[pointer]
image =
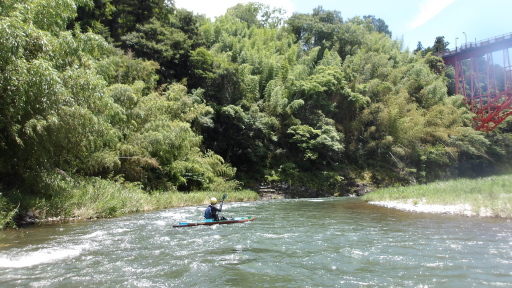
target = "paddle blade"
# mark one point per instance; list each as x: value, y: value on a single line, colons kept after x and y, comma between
x: 224, y: 196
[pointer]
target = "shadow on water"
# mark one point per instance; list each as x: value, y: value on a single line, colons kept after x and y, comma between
x: 330, y: 242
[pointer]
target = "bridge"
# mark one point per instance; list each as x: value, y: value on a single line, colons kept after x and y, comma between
x: 483, y: 75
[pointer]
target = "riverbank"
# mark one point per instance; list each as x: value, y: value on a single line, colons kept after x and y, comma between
x: 79, y: 199
x: 156, y: 202
x: 186, y: 199
x: 82, y: 200
x: 482, y: 197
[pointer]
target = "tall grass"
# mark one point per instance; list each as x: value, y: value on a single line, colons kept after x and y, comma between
x: 97, y: 198
x: 7, y: 212
x: 492, y: 195
x: 89, y: 198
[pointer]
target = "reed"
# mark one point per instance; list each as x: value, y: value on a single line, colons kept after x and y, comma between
x: 491, y: 196
x: 90, y: 198
x: 97, y: 198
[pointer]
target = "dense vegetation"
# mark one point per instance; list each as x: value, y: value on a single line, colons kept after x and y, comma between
x: 142, y: 94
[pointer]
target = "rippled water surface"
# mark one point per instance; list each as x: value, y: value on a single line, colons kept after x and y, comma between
x: 332, y: 242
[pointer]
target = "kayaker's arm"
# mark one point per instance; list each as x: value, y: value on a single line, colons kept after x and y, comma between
x: 214, y: 208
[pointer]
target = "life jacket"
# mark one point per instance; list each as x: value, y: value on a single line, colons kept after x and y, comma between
x: 208, y: 212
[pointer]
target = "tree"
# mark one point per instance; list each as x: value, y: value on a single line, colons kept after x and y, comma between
x: 317, y: 29
x: 54, y: 112
x: 440, y: 45
x: 419, y: 47
x: 312, y: 102
x: 378, y: 24
x: 70, y: 102
x: 163, y: 44
x: 115, y: 18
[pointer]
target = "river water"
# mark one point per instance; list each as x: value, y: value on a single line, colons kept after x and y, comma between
x: 330, y: 242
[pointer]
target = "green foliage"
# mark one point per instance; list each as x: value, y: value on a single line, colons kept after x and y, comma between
x: 124, y: 69
x: 114, y: 18
x: 72, y: 102
x: 316, y: 29
x: 52, y: 101
x: 313, y: 143
x: 313, y: 100
x: 378, y: 24
x: 165, y: 43
x: 440, y: 45
x: 92, y: 197
x: 380, y: 107
x: 255, y: 14
x: 49, y: 15
x: 162, y: 129
x: 7, y: 213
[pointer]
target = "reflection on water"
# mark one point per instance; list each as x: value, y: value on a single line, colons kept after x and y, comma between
x: 332, y: 242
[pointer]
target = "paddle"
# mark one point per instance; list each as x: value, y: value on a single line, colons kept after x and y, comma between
x: 223, y: 198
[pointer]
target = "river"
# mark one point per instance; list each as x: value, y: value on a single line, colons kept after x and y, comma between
x: 327, y: 242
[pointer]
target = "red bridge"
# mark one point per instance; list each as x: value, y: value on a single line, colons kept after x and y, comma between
x: 483, y: 75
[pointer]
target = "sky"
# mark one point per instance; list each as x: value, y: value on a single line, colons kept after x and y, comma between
x: 459, y: 21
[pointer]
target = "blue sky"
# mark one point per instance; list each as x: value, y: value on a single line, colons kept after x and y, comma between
x: 409, y: 20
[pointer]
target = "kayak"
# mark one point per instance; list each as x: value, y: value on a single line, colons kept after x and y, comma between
x: 213, y: 222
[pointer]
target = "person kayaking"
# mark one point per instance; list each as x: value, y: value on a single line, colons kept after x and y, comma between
x: 212, y: 212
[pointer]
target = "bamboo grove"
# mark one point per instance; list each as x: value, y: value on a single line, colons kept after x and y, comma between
x: 143, y: 92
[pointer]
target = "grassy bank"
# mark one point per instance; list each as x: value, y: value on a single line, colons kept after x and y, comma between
x: 490, y: 196
x: 97, y: 198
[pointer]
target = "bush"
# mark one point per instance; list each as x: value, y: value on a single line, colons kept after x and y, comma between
x: 7, y: 213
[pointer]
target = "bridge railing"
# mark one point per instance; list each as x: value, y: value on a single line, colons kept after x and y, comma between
x: 470, y: 45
